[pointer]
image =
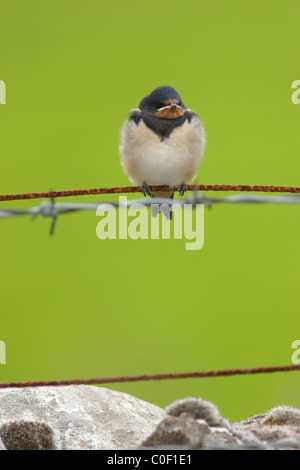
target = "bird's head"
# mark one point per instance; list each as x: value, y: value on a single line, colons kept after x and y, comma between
x: 163, y: 102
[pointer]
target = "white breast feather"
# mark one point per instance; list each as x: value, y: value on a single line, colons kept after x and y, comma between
x: 172, y: 161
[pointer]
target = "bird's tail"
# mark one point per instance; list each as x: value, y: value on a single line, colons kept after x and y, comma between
x: 164, y: 208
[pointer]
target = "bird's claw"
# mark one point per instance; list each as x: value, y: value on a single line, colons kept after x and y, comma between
x: 145, y: 189
x: 182, y: 188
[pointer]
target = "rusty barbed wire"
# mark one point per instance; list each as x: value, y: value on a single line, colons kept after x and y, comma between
x: 148, y: 377
x: 138, y: 189
x: 53, y: 209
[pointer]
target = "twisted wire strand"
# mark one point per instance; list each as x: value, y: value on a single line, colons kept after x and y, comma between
x: 148, y: 377
x: 138, y: 189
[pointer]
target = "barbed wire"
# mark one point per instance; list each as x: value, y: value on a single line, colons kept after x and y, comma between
x: 148, y: 377
x: 138, y: 189
x: 53, y: 209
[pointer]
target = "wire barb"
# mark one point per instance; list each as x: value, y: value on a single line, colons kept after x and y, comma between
x: 53, y: 209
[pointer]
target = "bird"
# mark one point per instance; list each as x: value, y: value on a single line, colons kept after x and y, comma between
x: 162, y: 143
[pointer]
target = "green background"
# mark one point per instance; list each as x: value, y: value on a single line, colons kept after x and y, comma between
x: 73, y: 306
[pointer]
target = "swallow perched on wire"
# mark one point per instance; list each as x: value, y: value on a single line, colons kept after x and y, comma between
x: 162, y: 143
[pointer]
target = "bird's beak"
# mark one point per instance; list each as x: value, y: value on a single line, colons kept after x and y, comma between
x: 172, y: 111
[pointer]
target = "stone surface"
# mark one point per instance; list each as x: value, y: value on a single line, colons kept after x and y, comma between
x: 193, y: 423
x: 74, y: 417
x: 27, y: 435
x: 87, y: 417
x: 198, y: 409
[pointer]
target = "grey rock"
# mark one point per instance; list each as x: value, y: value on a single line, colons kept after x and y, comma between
x: 283, y: 415
x: 26, y: 435
x: 88, y: 417
x: 183, y: 430
x: 2, y: 446
x: 193, y: 423
x: 198, y: 409
x: 74, y: 417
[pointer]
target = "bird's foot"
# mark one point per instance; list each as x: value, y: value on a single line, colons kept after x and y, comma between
x: 145, y: 188
x: 182, y: 188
